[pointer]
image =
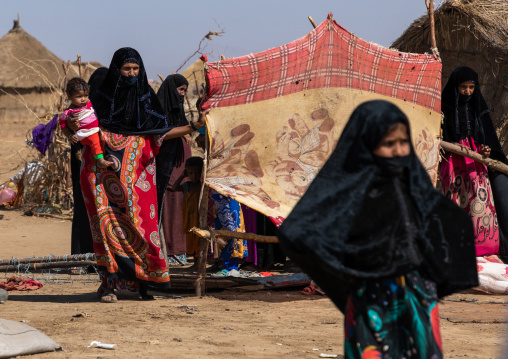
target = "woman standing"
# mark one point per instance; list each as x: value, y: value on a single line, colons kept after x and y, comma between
x: 122, y: 200
x: 467, y: 122
x: 376, y: 236
x: 171, y: 96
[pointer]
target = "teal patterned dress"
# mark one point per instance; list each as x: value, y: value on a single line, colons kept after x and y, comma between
x: 393, y: 318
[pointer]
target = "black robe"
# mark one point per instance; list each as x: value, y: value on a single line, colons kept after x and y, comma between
x: 360, y: 220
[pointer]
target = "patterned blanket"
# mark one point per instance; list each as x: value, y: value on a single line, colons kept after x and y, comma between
x: 277, y: 115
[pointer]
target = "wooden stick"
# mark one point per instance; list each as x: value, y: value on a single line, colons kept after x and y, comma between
x: 230, y: 234
x: 79, y: 65
x: 203, y: 242
x: 190, y: 106
x: 489, y: 162
x: 49, y: 215
x: 38, y: 266
x: 160, y: 76
x: 312, y: 22
x: 62, y: 258
x: 433, y: 45
x: 197, y: 85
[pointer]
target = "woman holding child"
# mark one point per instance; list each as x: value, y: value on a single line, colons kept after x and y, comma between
x: 123, y: 200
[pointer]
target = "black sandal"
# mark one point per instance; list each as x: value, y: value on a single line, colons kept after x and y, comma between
x: 143, y: 292
x: 100, y: 292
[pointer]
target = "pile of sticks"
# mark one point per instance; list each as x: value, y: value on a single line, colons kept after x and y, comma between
x: 48, y: 262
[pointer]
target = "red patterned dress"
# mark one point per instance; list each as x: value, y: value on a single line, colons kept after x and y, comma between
x: 466, y: 182
x: 122, y: 208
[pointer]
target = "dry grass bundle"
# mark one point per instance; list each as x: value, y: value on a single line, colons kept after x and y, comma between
x: 50, y: 183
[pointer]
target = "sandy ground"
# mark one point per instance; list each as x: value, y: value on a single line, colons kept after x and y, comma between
x: 223, y: 324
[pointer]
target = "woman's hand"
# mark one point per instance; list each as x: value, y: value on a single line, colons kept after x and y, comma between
x: 73, y: 122
x: 484, y: 150
x: 201, y: 122
x: 464, y: 147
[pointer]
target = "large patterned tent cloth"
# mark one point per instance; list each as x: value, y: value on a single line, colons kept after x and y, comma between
x: 277, y: 115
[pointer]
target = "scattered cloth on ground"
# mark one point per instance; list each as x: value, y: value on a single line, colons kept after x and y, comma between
x: 33, y: 172
x: 267, y: 274
x: 21, y: 339
x: 492, y: 275
x: 20, y: 283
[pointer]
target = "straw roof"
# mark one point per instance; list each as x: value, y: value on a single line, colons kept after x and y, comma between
x: 470, y: 33
x: 486, y: 19
x: 26, y: 63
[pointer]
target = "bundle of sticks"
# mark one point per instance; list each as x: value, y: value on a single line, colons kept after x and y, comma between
x: 48, y: 262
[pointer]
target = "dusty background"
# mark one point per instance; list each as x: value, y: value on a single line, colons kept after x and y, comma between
x: 225, y: 324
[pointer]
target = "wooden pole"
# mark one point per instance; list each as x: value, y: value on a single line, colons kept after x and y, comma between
x: 489, y: 162
x: 196, y: 83
x: 40, y: 266
x: 432, y: 24
x: 312, y: 22
x: 79, y: 65
x: 203, y: 242
x: 62, y: 258
x: 190, y: 107
x: 230, y: 234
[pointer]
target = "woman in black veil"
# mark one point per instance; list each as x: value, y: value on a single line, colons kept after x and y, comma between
x: 380, y: 240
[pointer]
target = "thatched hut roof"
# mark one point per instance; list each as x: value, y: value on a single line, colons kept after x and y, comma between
x: 470, y: 33
x: 26, y: 63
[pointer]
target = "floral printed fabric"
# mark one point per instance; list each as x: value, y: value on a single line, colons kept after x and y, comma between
x: 393, y: 318
x: 121, y: 202
x: 229, y: 217
x: 467, y: 183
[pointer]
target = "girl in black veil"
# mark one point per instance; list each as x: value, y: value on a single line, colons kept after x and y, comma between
x: 171, y: 96
x: 376, y: 236
x: 468, y: 183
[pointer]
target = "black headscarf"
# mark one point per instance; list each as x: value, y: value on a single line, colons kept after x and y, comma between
x: 129, y: 108
x: 172, y: 101
x: 362, y: 217
x: 96, y: 81
x: 468, y: 115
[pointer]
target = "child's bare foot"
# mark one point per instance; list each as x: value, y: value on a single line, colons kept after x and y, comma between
x: 102, y: 163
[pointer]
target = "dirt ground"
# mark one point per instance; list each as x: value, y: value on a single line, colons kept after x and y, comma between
x: 223, y: 324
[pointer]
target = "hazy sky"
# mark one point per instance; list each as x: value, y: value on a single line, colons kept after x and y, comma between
x: 166, y: 32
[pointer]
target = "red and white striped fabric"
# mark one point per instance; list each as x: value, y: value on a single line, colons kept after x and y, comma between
x: 277, y: 115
